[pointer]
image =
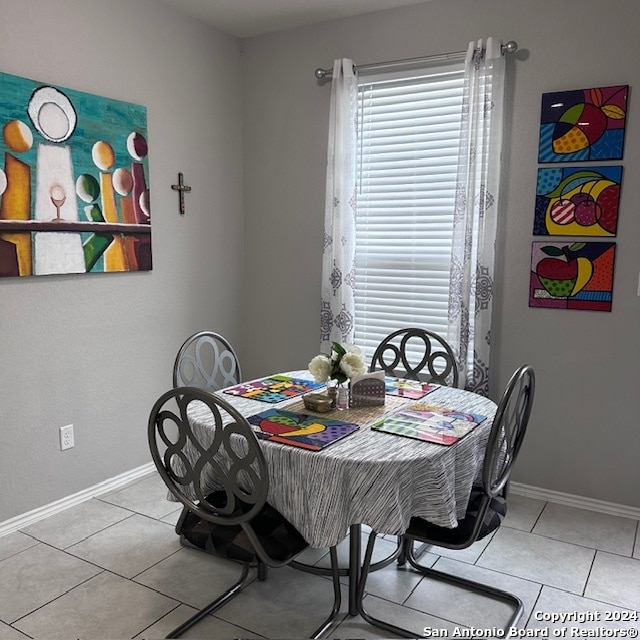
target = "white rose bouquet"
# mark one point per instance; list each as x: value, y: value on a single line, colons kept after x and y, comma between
x: 342, y: 363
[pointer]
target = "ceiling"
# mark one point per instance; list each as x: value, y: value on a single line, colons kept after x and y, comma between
x: 246, y: 18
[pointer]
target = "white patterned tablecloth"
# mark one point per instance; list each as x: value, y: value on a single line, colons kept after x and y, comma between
x: 369, y: 477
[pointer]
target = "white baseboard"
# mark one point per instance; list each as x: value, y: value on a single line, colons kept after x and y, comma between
x: 610, y: 508
x: 21, y: 521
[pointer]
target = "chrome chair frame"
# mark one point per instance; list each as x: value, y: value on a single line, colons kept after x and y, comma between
x: 236, y: 516
x: 489, y: 505
x: 213, y: 371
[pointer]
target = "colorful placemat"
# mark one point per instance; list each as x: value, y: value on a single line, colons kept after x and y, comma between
x: 412, y: 389
x: 430, y: 423
x: 304, y: 430
x: 274, y: 388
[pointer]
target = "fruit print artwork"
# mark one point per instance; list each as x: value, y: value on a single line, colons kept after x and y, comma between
x: 572, y: 201
x: 585, y: 124
x: 576, y: 275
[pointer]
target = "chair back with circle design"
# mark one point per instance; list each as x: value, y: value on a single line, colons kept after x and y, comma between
x: 416, y: 354
x: 219, y: 474
x: 208, y: 361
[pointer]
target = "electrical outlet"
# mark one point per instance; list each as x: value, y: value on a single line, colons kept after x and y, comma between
x: 66, y: 437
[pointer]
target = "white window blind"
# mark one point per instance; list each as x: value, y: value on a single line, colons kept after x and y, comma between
x: 409, y: 132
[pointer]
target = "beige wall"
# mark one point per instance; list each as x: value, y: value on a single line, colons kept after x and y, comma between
x: 97, y: 350
x: 584, y: 435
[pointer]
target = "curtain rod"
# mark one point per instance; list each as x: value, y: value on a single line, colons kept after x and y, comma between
x: 321, y: 74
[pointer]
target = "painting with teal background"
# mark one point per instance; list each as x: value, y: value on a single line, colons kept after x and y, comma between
x: 74, y: 186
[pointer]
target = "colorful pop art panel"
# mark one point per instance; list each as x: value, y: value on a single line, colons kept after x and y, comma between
x: 74, y: 194
x: 585, y: 124
x: 576, y: 275
x: 573, y: 201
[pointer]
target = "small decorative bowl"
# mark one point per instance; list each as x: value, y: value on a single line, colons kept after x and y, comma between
x: 317, y: 402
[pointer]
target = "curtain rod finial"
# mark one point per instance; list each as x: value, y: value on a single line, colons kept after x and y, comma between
x: 510, y: 47
x: 320, y: 73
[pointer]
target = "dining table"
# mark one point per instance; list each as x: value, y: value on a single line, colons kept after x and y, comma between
x: 369, y: 477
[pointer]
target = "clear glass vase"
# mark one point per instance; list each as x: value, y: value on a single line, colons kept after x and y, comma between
x: 332, y: 392
x: 342, y: 400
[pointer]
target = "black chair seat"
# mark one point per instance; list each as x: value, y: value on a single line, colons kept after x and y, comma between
x: 279, y: 538
x: 420, y: 529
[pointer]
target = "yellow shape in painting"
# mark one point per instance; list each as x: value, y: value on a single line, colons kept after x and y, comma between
x: 17, y: 136
x: 585, y: 271
x: 305, y: 431
x: 109, y: 209
x: 103, y: 155
x: 16, y: 205
x: 573, y: 140
x: 612, y: 111
x: 115, y: 258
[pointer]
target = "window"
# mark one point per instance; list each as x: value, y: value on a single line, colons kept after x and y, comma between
x: 406, y: 170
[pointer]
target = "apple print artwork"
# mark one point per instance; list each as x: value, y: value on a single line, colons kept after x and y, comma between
x: 577, y: 275
x: 566, y: 276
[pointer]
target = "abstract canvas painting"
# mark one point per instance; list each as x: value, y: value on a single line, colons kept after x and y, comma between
x: 573, y: 275
x: 74, y: 185
x: 574, y: 201
x: 585, y: 124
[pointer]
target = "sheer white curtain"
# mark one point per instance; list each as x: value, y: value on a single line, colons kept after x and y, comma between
x: 338, y: 260
x: 476, y: 213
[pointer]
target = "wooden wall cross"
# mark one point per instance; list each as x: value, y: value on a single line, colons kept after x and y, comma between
x: 181, y: 187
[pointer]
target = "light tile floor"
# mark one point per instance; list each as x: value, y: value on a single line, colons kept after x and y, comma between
x: 113, y: 568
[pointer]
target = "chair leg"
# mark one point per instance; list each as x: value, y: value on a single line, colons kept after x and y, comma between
x: 376, y: 622
x: 229, y: 594
x: 398, y: 555
x: 407, y: 549
x: 337, y: 595
x: 472, y: 585
x: 183, y: 514
x: 263, y: 571
x: 402, y: 554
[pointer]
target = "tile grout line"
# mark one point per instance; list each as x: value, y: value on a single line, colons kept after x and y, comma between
x: 539, y: 516
x: 533, y: 607
x: 586, y: 582
x: 61, y: 595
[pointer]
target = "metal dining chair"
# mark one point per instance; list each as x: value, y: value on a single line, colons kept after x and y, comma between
x: 234, y: 521
x: 487, y: 504
x: 208, y: 361
x: 416, y: 354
